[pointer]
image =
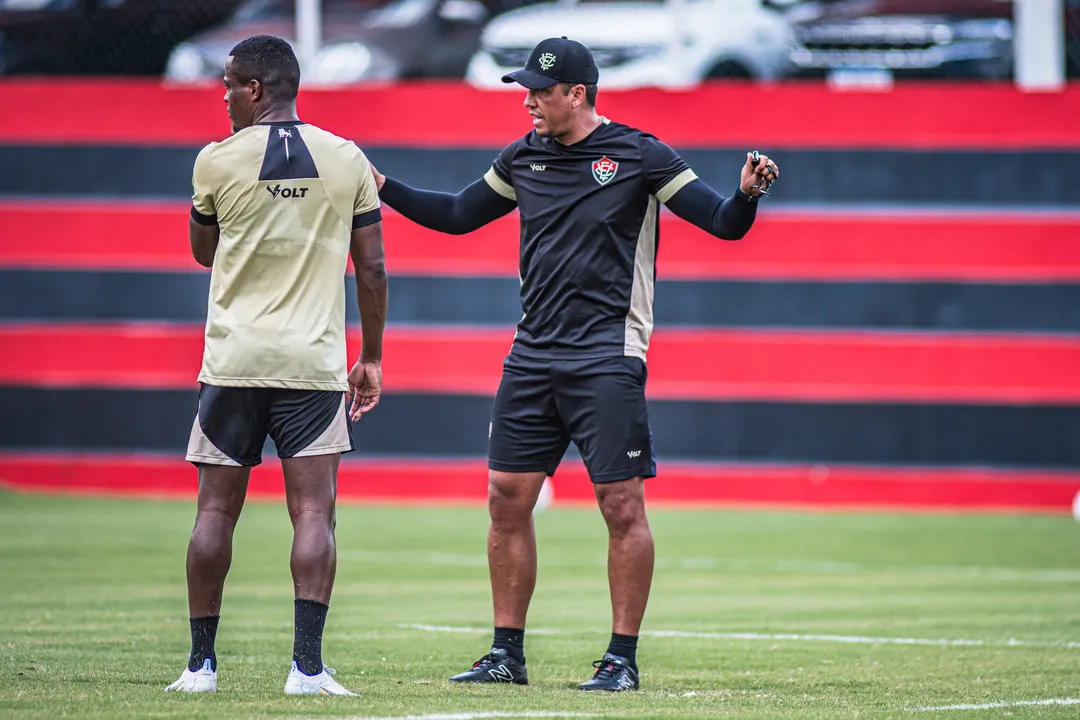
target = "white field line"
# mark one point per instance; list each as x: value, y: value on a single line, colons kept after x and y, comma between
x: 479, y: 716
x: 797, y: 637
x: 469, y: 630
x: 860, y: 639
x: 993, y: 705
x: 823, y: 567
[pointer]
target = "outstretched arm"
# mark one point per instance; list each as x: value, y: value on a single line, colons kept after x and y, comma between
x: 468, y: 210
x: 678, y: 187
x: 478, y: 204
x: 726, y: 218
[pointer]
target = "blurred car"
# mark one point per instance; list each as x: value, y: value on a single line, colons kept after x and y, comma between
x: 663, y: 43
x: 99, y: 37
x: 362, y: 40
x: 905, y: 38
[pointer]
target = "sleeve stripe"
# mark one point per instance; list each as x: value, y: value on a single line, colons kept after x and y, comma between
x: 676, y: 184
x: 366, y: 218
x: 499, y: 185
x: 203, y: 219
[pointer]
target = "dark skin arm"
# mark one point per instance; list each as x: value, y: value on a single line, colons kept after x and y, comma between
x: 369, y: 260
x: 204, y: 242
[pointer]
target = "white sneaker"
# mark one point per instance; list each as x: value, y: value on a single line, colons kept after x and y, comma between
x: 203, y: 680
x: 322, y: 684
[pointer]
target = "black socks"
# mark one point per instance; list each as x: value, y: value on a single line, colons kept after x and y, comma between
x: 512, y: 640
x: 203, y: 633
x: 307, y: 638
x: 310, y: 619
x: 624, y: 646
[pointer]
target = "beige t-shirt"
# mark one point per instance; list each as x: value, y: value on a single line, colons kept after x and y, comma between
x: 286, y: 196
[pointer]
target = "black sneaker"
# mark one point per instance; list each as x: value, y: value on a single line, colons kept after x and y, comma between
x: 495, y: 667
x: 613, y: 674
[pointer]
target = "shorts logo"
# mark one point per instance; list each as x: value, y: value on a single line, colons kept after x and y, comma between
x: 287, y: 192
x: 603, y: 170
x: 633, y: 453
x: 547, y: 61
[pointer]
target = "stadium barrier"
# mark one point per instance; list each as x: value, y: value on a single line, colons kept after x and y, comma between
x: 901, y: 328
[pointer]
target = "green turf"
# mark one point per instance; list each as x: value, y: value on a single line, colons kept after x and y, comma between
x: 93, y: 613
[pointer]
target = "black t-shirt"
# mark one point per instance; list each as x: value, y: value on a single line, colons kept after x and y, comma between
x: 589, y: 235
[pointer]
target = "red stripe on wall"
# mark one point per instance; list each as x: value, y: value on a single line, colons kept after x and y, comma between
x: 946, y: 115
x: 682, y: 364
x: 781, y: 245
x: 425, y: 481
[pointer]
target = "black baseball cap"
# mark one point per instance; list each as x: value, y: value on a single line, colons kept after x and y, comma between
x: 556, y: 60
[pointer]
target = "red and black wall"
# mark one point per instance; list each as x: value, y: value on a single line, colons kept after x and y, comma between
x: 901, y: 327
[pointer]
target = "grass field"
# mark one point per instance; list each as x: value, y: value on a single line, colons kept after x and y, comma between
x: 755, y: 614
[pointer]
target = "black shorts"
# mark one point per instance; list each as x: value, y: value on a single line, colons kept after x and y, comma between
x: 599, y: 405
x: 232, y: 423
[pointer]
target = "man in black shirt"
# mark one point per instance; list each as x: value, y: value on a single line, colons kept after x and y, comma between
x: 588, y: 192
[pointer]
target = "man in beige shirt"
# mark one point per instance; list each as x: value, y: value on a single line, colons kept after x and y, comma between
x: 278, y: 208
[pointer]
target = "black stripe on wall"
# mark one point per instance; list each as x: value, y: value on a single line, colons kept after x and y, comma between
x: 983, y: 177
x: 449, y: 425
x: 61, y: 295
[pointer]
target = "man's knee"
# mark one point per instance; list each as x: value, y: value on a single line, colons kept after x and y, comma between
x: 219, y: 511
x: 220, y: 516
x: 622, y: 505
x: 314, y: 514
x: 511, y: 496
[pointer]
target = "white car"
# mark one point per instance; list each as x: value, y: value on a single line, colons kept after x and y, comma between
x: 661, y: 43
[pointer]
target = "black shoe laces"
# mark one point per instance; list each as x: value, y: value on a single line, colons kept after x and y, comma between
x: 606, y: 670
x: 489, y: 660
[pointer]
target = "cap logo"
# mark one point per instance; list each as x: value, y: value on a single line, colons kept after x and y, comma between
x: 547, y: 61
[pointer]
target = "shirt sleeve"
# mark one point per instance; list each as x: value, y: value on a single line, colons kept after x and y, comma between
x: 366, y: 210
x: 498, y: 175
x: 665, y: 171
x: 203, y: 207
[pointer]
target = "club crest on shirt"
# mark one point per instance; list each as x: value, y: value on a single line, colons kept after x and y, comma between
x: 603, y: 170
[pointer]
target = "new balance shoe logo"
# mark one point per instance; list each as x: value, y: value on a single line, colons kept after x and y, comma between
x: 501, y: 674
x: 633, y: 453
x: 278, y: 191
x: 538, y: 168
x: 626, y: 682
